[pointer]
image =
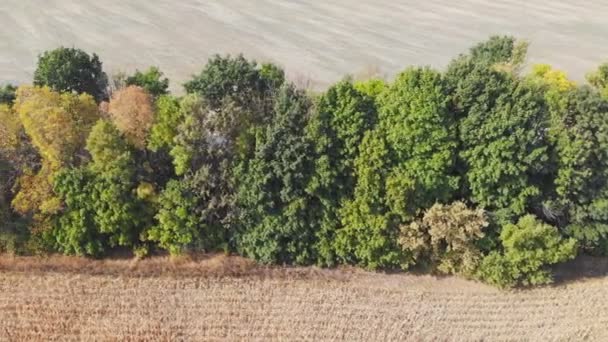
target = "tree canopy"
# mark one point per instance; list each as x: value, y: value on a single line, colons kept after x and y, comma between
x: 72, y: 70
x: 486, y: 169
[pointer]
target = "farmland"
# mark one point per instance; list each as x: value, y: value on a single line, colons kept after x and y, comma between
x: 222, y: 298
x: 317, y: 40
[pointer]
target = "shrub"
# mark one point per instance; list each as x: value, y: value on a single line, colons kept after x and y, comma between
x: 7, y: 94
x: 529, y: 247
x: 447, y: 238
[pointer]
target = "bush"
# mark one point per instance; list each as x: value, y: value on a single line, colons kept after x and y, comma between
x: 7, y: 94
x: 529, y: 247
x: 447, y: 238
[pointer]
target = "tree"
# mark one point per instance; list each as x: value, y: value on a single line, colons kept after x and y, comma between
x: 276, y: 214
x: 530, y: 246
x: 581, y: 182
x: 405, y: 165
x: 599, y: 79
x: 17, y: 157
x: 555, y: 82
x: 71, y: 70
x: 341, y: 118
x: 203, y: 150
x: 132, y: 112
x: 241, y: 81
x: 7, y: 94
x: 503, y: 128
x: 178, y: 226
x: 373, y: 87
x: 101, y: 208
x: 447, y: 238
x: 168, y: 116
x: 57, y: 125
x: 151, y: 80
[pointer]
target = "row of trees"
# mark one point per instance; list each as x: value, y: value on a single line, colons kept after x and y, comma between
x: 482, y: 170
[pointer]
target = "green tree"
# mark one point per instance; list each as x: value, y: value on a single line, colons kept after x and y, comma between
x: 581, y: 183
x: 530, y: 246
x: 405, y: 165
x: 342, y: 116
x: 168, y: 116
x: 101, y: 208
x: 276, y: 214
x: 373, y: 87
x: 151, y: 80
x: 203, y: 150
x: 7, y: 94
x: 243, y: 82
x: 503, y: 128
x: 72, y: 70
x: 178, y: 226
x: 599, y: 79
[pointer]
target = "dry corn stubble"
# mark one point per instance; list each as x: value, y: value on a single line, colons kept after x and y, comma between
x: 230, y: 298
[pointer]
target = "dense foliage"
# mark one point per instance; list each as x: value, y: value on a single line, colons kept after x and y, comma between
x: 72, y: 70
x: 152, y: 80
x: 483, y: 170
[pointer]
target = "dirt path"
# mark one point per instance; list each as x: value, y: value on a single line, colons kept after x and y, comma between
x: 231, y: 299
x: 320, y: 40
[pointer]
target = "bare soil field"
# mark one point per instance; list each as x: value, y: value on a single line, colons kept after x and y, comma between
x: 312, y: 39
x: 229, y: 298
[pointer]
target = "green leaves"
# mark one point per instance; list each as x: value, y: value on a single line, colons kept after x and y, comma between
x: 529, y: 247
x: 358, y: 174
x: 341, y: 118
x: 405, y: 164
x: 504, y: 147
x: 151, y: 80
x: 101, y: 206
x: 581, y: 184
x: 71, y: 70
x: 276, y: 215
x: 178, y: 226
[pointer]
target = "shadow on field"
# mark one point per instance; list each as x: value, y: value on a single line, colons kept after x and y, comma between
x: 583, y: 267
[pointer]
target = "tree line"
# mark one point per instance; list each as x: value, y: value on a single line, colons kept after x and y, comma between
x: 485, y: 170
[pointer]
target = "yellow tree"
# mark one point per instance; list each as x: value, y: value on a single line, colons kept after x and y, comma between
x: 132, y: 111
x: 57, y: 125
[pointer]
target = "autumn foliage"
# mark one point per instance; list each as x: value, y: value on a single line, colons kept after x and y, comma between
x: 482, y: 170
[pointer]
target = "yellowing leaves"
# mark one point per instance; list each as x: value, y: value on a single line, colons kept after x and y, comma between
x: 56, y: 123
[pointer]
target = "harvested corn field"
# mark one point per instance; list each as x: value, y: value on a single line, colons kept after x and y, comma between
x: 317, y: 40
x: 222, y: 298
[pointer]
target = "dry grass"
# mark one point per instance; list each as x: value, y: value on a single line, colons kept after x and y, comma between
x: 228, y: 298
